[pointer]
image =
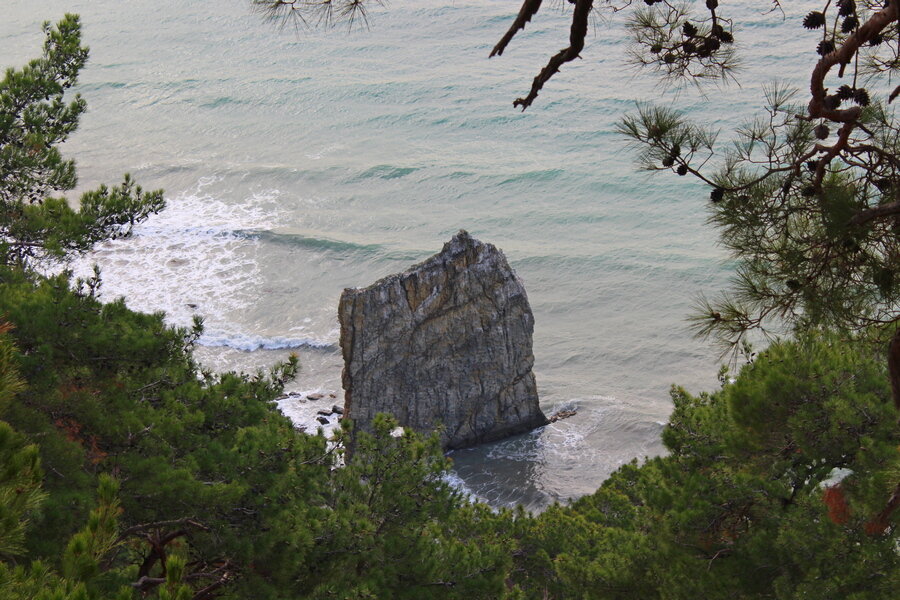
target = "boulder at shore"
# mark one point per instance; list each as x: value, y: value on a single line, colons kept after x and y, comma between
x: 445, y: 343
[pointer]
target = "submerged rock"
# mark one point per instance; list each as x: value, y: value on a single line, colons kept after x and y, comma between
x: 445, y: 344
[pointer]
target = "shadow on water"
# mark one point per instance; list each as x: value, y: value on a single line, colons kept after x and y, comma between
x: 507, y: 479
x: 560, y: 461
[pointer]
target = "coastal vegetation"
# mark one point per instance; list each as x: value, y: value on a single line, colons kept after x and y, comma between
x: 129, y: 471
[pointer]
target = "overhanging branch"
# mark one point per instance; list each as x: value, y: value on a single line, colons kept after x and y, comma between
x: 528, y: 10
x: 870, y: 214
x: 843, y: 55
x: 577, y: 34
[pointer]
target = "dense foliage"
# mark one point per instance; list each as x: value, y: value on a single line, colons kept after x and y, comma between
x: 206, y: 472
x: 127, y: 471
x: 773, y: 489
x: 206, y: 469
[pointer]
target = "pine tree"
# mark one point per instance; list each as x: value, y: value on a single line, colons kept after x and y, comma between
x: 34, y: 120
x: 773, y: 488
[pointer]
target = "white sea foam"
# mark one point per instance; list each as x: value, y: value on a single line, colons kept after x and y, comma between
x: 459, y: 484
x: 559, y: 441
x: 196, y: 257
x: 250, y: 343
x: 304, y: 413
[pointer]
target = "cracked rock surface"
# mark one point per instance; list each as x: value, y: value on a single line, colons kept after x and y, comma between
x: 445, y: 344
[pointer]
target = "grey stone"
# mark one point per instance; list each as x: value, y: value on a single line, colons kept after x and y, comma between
x: 563, y: 414
x: 445, y: 344
x: 337, y: 409
x: 322, y: 420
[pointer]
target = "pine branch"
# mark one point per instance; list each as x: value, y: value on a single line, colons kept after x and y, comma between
x: 577, y: 34
x: 870, y: 214
x: 189, y: 521
x: 843, y: 55
x: 528, y: 10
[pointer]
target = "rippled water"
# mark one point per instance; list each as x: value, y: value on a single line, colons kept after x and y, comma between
x: 296, y: 164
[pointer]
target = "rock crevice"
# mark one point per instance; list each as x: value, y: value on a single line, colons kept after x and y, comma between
x: 444, y: 345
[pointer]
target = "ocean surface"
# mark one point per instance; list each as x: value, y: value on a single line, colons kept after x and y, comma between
x: 297, y: 163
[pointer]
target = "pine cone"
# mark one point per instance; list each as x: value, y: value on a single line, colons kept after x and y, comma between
x: 846, y: 7
x: 825, y: 47
x: 814, y: 20
x: 845, y: 92
x: 849, y: 24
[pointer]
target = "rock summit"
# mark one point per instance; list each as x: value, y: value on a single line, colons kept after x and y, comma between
x: 445, y: 345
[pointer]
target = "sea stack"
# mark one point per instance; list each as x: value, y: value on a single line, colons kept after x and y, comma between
x: 444, y: 345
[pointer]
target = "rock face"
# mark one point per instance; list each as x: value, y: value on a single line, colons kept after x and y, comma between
x: 448, y: 342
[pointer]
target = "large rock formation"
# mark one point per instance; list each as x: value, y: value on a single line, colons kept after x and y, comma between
x: 446, y: 343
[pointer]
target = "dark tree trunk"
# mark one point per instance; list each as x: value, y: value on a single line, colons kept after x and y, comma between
x: 894, y: 367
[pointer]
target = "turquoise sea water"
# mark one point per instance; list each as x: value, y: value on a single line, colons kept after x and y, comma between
x: 296, y: 164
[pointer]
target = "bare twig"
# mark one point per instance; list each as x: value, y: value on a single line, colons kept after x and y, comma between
x: 528, y: 10
x: 577, y: 34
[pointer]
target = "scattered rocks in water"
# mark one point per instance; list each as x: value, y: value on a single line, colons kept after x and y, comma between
x: 191, y: 305
x: 322, y: 420
x: 325, y: 412
x: 337, y: 409
x: 563, y: 414
x: 315, y: 397
x: 447, y: 342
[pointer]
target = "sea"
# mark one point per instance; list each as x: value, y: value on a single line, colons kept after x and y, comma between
x: 299, y: 161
